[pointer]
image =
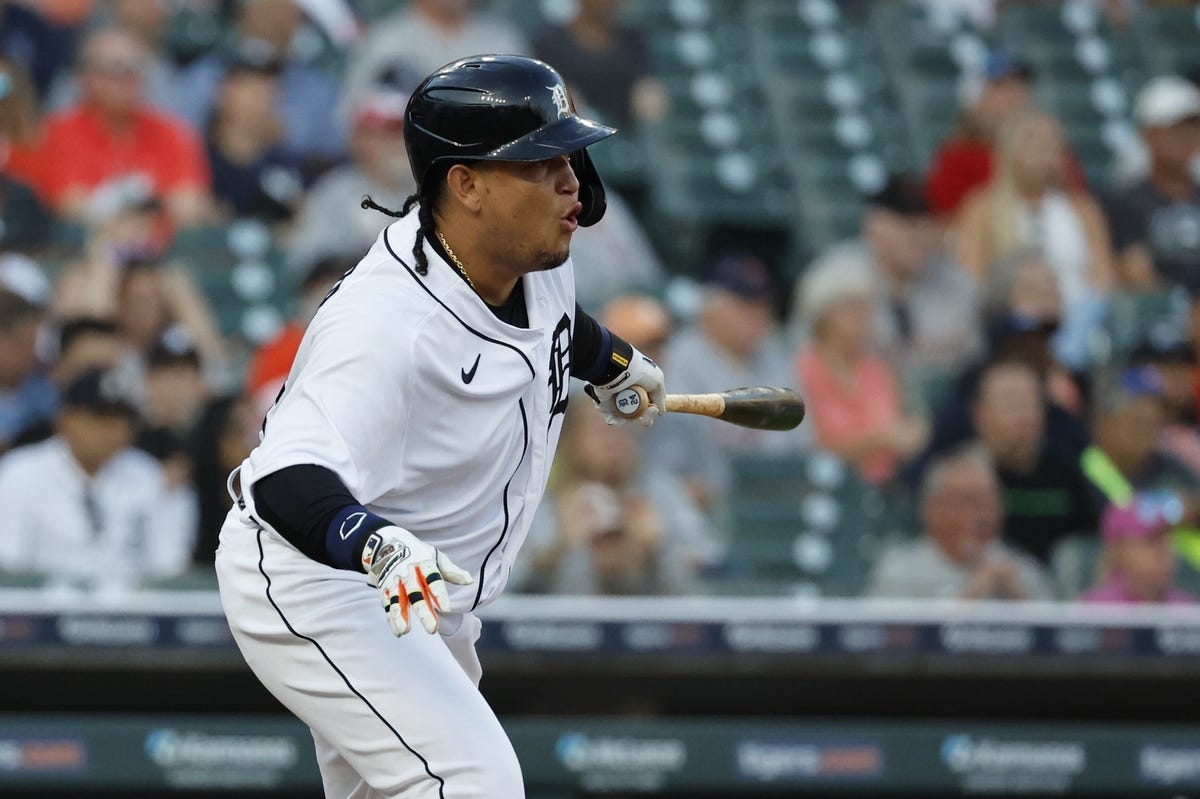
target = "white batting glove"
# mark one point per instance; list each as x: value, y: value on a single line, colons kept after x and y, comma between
x: 410, y: 576
x: 641, y: 372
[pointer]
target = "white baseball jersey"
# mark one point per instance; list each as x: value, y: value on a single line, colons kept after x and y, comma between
x: 106, y: 531
x: 435, y: 414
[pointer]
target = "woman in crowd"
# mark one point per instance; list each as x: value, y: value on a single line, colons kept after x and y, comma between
x: 854, y: 402
x: 1027, y: 204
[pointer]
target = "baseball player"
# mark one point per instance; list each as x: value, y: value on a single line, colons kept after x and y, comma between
x: 406, y: 453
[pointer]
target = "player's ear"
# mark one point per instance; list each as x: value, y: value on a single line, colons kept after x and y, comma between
x: 463, y: 187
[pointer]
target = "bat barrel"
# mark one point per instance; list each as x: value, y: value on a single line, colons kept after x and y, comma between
x: 763, y: 408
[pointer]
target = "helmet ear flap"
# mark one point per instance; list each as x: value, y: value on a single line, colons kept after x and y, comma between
x: 591, y: 188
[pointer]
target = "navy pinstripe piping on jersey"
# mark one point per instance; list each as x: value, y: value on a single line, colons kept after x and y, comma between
x: 387, y: 243
x: 262, y: 569
x: 504, y: 504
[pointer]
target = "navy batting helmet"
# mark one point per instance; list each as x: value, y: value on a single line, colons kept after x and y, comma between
x: 502, y: 108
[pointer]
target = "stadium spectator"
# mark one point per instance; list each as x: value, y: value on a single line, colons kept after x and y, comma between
x: 175, y: 391
x: 1127, y: 428
x: 1154, y: 221
x: 685, y: 447
x: 1046, y: 495
x: 163, y: 84
x: 331, y: 221
x: 112, y: 136
x: 69, y: 512
x: 425, y: 35
x: 122, y: 277
x: 734, y: 341
x: 271, y: 362
x: 610, y: 524
x: 27, y: 396
x: 227, y: 431
x: 927, y: 317
x: 152, y: 298
x: 960, y: 555
x: 855, y: 406
x: 1028, y: 204
x: 1022, y: 309
x: 1139, y: 561
x: 264, y: 34
x: 1167, y: 351
x: 24, y: 222
x: 605, y: 62
x: 1023, y: 317
x: 42, y: 46
x: 85, y: 343
x: 964, y: 162
x: 253, y: 172
x: 614, y: 257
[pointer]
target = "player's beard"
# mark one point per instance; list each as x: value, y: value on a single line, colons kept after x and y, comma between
x: 551, y: 260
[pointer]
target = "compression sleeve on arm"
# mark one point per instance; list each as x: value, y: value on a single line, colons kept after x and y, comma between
x: 597, y: 355
x: 311, y: 507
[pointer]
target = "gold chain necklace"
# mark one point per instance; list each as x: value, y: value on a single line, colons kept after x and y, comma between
x: 462, y: 269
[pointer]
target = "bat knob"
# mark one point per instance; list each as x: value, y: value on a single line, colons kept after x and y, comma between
x: 631, y: 402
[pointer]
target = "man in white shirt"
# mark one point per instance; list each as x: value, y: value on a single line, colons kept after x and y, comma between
x: 84, y: 508
x: 960, y: 555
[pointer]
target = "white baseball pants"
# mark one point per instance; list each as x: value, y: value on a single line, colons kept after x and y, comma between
x: 390, y: 717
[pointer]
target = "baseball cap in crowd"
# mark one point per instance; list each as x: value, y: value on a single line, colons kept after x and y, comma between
x: 24, y: 278
x: 380, y: 110
x: 1165, y: 101
x: 100, y: 392
x: 1166, y: 346
x: 173, y: 348
x: 1140, y: 381
x: 903, y: 193
x: 747, y: 276
x: 1147, y: 515
x: 1008, y: 326
x: 257, y: 55
x: 1001, y: 64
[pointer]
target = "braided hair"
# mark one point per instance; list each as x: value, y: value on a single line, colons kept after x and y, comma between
x: 426, y: 228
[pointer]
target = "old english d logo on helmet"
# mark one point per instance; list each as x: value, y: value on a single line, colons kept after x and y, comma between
x: 502, y: 108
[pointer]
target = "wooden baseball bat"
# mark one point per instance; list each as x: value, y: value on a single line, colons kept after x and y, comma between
x: 760, y: 407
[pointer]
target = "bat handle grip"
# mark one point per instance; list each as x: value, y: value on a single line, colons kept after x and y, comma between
x: 631, y: 402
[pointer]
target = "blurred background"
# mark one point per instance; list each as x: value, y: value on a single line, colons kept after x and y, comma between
x: 968, y: 231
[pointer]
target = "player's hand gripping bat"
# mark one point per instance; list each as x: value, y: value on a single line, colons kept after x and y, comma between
x: 760, y: 407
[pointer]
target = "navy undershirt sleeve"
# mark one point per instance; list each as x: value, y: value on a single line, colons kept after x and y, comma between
x: 597, y: 355
x: 311, y: 507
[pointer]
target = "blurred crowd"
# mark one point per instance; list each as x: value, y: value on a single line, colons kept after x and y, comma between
x: 957, y: 356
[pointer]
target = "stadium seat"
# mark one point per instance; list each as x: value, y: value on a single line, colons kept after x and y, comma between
x: 240, y: 270
x: 803, y: 522
x: 1132, y: 318
x: 1168, y: 37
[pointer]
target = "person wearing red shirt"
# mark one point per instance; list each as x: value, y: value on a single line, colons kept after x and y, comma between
x: 963, y: 162
x: 112, y: 137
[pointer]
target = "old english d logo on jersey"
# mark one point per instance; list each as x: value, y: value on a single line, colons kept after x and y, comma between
x: 560, y: 367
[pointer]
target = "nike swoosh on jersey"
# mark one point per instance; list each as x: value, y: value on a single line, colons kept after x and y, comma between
x: 469, y: 376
